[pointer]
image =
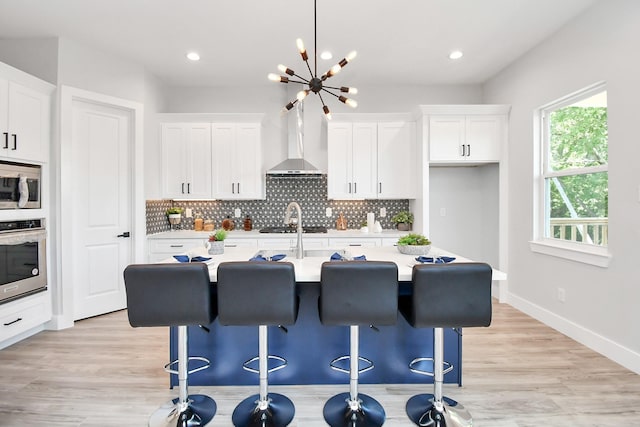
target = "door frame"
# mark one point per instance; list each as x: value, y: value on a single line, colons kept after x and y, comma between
x: 61, y: 226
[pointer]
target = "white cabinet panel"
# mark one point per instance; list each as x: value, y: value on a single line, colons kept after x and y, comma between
x: 464, y: 139
x: 186, y: 160
x: 25, y: 116
x: 237, y: 159
x: 346, y: 242
x: 371, y: 160
x: 23, y: 314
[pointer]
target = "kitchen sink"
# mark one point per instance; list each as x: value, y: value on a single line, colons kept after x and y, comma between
x: 285, y: 229
x: 308, y: 253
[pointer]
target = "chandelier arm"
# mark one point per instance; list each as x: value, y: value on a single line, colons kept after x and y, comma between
x: 301, y: 82
x: 309, y: 68
x: 300, y: 77
x: 329, y: 92
x: 315, y: 39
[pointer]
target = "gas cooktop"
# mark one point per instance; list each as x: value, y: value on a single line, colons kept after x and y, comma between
x: 284, y: 229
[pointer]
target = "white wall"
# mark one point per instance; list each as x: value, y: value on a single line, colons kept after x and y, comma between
x: 601, y: 307
x: 469, y: 197
x: 38, y: 56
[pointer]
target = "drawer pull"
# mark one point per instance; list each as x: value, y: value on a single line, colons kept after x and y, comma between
x: 176, y: 246
x: 355, y: 244
x: 230, y: 246
x: 15, y: 321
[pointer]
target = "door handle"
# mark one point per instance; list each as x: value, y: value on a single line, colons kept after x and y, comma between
x: 125, y: 234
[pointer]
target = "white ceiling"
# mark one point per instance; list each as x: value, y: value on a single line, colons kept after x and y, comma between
x: 241, y: 41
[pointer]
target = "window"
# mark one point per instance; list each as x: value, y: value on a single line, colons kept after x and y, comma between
x: 572, y: 208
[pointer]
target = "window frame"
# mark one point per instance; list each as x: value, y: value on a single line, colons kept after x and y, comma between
x: 577, y: 251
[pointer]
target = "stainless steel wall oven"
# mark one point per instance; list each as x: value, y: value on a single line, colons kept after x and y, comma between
x: 23, y: 265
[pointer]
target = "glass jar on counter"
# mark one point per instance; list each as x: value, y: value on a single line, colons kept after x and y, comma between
x: 198, y: 223
x: 208, y: 225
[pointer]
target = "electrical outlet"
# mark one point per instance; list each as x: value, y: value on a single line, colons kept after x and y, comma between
x: 328, y: 212
x: 383, y: 212
x: 443, y: 211
x: 188, y: 213
x: 237, y: 212
x: 562, y: 295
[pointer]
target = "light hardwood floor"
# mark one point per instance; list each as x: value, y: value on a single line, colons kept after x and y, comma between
x: 516, y: 373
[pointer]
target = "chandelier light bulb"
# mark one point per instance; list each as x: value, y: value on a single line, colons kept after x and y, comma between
x: 301, y: 49
x: 302, y: 95
x: 274, y: 77
x: 351, y: 90
x: 350, y: 57
x: 327, y: 113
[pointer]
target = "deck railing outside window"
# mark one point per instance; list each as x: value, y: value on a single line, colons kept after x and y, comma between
x: 594, y: 231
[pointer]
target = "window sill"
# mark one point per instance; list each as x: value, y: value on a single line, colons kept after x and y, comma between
x: 587, y: 254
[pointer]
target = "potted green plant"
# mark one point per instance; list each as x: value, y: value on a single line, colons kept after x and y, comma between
x: 175, y: 215
x: 215, y: 245
x: 414, y: 244
x: 403, y: 220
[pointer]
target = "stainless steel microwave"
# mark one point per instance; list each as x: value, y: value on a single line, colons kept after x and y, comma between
x: 20, y: 186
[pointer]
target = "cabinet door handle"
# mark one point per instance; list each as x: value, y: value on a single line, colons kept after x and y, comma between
x: 468, y: 150
x: 183, y: 188
x: 349, y: 188
x: 15, y: 141
x: 15, y: 321
x: 355, y: 244
x: 355, y: 187
x: 230, y: 246
x: 6, y: 140
x: 176, y: 246
x: 462, y: 155
x: 380, y: 188
x: 188, y: 188
x: 238, y: 188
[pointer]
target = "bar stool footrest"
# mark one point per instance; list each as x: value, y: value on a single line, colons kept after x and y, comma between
x: 421, y: 409
x: 335, y: 366
x: 448, y: 366
x: 199, y: 412
x: 282, y: 360
x: 206, y: 361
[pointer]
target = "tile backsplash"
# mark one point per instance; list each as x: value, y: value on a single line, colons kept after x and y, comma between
x: 309, y: 192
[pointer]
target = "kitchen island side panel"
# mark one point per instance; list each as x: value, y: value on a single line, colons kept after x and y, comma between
x: 309, y: 346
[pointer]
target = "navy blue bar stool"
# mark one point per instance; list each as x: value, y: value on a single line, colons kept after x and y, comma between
x: 262, y: 294
x: 174, y: 295
x: 456, y: 295
x: 354, y: 293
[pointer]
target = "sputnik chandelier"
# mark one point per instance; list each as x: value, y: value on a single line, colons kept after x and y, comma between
x: 315, y: 83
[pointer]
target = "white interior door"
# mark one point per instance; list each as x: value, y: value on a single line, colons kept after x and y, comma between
x: 100, y: 148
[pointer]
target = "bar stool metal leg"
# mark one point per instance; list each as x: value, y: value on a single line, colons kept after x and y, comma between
x: 264, y: 409
x: 353, y: 409
x: 186, y: 410
x: 436, y: 410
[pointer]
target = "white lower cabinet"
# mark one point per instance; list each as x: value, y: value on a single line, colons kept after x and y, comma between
x: 166, y: 248
x: 290, y: 242
x: 22, y: 315
x: 344, y: 242
x: 389, y: 241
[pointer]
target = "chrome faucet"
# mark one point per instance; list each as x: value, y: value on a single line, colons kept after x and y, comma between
x: 287, y: 219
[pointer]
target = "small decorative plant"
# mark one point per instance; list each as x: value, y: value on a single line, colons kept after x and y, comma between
x: 403, y: 220
x: 402, y: 216
x: 414, y: 244
x: 413, y: 239
x: 218, y: 235
x: 174, y: 211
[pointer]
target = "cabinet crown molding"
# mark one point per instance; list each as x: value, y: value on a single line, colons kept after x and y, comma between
x: 210, y: 117
x: 466, y: 109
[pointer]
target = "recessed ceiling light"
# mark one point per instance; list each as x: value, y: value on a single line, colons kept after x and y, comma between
x: 326, y: 55
x: 456, y: 54
x: 193, y: 56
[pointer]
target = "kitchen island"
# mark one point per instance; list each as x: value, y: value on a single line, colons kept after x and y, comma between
x: 308, y: 345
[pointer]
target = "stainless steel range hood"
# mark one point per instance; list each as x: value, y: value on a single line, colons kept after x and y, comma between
x: 295, y: 164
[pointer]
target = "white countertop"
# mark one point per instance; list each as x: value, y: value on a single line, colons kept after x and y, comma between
x: 308, y: 269
x: 255, y: 234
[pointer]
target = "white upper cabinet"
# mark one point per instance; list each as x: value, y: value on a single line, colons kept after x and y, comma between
x: 237, y: 160
x: 371, y: 160
x: 477, y: 136
x: 25, y: 116
x: 397, y: 160
x: 352, y: 163
x: 186, y: 160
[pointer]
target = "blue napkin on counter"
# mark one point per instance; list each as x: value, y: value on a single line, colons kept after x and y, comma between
x: 437, y: 260
x: 337, y: 257
x: 185, y: 258
x: 276, y: 257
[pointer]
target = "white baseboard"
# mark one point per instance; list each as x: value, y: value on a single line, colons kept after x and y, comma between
x: 596, y: 342
x: 58, y: 323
